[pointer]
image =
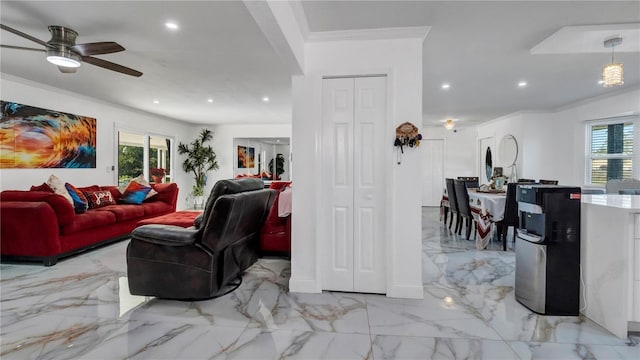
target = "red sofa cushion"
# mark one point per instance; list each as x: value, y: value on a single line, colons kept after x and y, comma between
x: 124, y: 212
x: 155, y: 208
x: 26, y: 218
x: 179, y: 218
x: 62, y: 207
x: 167, y: 193
x: 44, y: 187
x: 276, y: 232
x: 90, y: 219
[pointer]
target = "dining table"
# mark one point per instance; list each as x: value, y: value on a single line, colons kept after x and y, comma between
x: 488, y: 208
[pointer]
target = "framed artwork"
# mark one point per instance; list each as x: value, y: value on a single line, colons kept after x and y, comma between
x: 246, y: 157
x: 33, y: 138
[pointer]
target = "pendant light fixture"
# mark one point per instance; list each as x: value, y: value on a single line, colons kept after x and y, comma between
x: 612, y: 74
x: 449, y: 124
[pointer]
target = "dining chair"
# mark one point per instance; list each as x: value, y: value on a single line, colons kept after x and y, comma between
x: 511, y: 217
x: 453, y: 204
x: 526, y: 181
x: 462, y: 197
x: 470, y: 181
x: 548, y: 182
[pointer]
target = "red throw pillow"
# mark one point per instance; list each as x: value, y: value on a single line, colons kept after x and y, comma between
x: 99, y: 198
x: 44, y: 187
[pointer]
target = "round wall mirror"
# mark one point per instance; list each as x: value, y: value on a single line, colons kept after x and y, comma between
x: 508, y: 150
x: 488, y: 164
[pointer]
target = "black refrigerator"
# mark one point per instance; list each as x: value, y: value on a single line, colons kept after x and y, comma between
x: 548, y: 249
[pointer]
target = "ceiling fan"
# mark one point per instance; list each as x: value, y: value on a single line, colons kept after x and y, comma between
x: 63, y: 51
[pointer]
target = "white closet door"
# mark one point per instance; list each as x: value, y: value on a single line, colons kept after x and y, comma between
x: 354, y: 111
x: 337, y: 114
x: 369, y: 222
x: 432, y: 171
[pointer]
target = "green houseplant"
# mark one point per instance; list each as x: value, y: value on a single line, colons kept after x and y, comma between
x: 279, y: 167
x: 200, y: 160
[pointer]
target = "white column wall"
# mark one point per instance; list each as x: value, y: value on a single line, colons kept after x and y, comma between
x: 401, y: 60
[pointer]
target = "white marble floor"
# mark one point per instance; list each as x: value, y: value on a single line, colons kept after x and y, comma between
x: 81, y: 309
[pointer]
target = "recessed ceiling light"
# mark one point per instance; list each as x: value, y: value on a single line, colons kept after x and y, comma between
x: 171, y: 25
x: 209, y: 100
x: 446, y: 86
x: 265, y: 99
x: 600, y: 82
x: 156, y: 101
x: 522, y: 84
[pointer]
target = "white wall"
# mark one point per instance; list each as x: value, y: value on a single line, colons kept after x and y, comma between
x: 401, y: 60
x: 552, y: 144
x: 223, y: 145
x: 618, y: 104
x: 460, y: 150
x: 108, y: 117
x: 268, y: 152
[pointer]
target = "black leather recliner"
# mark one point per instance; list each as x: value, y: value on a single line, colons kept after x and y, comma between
x: 172, y: 262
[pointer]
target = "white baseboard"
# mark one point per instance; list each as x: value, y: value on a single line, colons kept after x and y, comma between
x: 406, y: 291
x: 303, y: 286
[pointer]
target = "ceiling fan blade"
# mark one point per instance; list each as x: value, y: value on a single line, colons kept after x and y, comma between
x: 97, y: 48
x: 22, y: 48
x: 26, y: 36
x: 67, y: 70
x: 111, y: 66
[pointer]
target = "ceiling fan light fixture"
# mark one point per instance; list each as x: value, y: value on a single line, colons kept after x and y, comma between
x: 63, y: 61
x: 63, y: 57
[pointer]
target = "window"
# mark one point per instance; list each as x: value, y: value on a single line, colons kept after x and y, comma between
x: 145, y: 154
x: 609, y: 151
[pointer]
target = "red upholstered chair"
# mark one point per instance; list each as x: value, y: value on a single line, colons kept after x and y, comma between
x: 276, y: 232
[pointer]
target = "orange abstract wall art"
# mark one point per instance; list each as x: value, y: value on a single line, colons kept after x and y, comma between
x: 32, y: 137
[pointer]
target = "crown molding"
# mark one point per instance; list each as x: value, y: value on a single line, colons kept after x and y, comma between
x: 412, y: 32
x: 589, y: 39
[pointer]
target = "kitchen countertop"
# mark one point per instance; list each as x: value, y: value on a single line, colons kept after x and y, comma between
x: 628, y: 202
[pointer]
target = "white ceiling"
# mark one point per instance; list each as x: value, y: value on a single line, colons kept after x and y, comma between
x: 481, y: 48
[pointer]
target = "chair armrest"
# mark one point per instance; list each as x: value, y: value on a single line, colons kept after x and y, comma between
x: 197, y: 222
x: 169, y: 235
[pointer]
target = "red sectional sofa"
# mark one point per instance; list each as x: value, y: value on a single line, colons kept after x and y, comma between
x: 275, y: 236
x: 42, y: 226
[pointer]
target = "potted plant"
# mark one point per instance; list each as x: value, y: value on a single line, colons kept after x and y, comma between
x: 200, y: 160
x: 157, y: 174
x: 279, y: 167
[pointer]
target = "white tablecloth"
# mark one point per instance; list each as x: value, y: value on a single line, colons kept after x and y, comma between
x: 489, y: 203
x: 488, y: 208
